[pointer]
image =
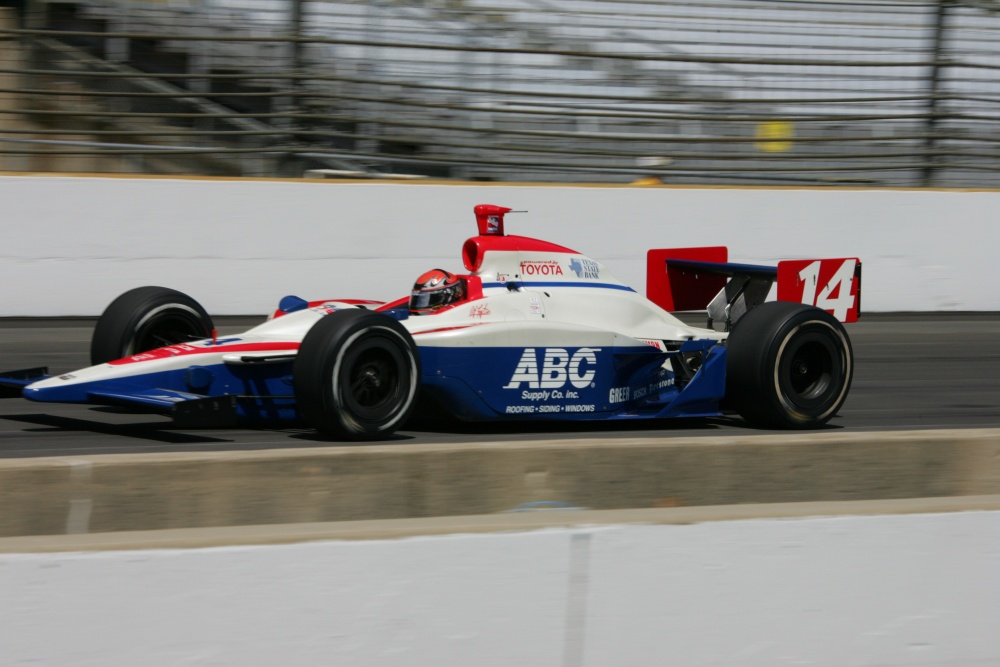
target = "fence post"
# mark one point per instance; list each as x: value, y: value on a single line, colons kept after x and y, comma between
x: 295, y: 31
x: 930, y: 142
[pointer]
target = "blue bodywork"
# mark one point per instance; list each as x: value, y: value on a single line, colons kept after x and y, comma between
x: 480, y: 384
x: 476, y: 383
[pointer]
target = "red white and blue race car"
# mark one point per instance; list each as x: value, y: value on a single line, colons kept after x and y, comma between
x: 532, y: 331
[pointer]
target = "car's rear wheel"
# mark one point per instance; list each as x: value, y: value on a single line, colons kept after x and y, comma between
x: 147, y: 318
x: 356, y: 375
x: 788, y: 366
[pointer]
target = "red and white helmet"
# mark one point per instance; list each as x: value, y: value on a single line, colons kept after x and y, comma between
x: 434, y: 290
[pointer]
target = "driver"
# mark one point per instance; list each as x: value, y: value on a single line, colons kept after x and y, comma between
x: 434, y: 290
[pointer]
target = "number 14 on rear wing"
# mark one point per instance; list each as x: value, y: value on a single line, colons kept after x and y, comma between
x: 684, y: 279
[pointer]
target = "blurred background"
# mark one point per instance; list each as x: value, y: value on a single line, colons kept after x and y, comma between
x: 882, y: 93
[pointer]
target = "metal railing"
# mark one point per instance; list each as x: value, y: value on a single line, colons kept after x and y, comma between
x: 888, y: 93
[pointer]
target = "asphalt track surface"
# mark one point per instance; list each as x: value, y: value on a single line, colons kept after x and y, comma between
x: 913, y: 371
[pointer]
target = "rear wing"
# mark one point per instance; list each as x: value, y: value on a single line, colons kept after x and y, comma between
x: 680, y: 279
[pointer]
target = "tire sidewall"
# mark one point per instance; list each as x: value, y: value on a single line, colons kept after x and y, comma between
x: 331, y: 351
x: 130, y: 318
x: 808, y: 329
x: 761, y: 349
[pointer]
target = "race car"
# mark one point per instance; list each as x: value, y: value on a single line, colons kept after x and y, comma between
x: 531, y: 331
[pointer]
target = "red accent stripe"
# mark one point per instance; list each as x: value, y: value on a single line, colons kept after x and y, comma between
x: 461, y: 326
x: 398, y: 303
x: 312, y: 304
x: 524, y: 243
x: 474, y: 250
x: 186, y: 350
x: 474, y: 287
x: 353, y: 302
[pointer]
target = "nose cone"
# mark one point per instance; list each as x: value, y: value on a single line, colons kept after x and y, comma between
x: 56, y: 390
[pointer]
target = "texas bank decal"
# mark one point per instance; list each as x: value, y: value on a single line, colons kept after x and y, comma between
x: 585, y: 268
x: 578, y: 266
x: 553, y: 374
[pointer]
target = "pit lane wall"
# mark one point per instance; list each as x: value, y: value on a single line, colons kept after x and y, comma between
x: 826, y: 591
x: 72, y: 244
x: 109, y: 493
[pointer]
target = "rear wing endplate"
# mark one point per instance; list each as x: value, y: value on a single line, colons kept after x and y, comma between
x: 684, y: 279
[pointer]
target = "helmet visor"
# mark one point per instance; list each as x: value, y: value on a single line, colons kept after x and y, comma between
x: 431, y: 299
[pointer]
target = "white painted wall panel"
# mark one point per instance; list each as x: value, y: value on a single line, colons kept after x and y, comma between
x: 70, y: 244
x: 839, y: 591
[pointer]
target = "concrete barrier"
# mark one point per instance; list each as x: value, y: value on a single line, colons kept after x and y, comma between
x: 394, y: 481
x: 75, y: 243
x: 826, y: 591
x: 475, y: 524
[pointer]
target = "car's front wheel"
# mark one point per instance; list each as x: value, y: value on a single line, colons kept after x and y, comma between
x: 147, y: 318
x: 788, y: 366
x: 356, y: 375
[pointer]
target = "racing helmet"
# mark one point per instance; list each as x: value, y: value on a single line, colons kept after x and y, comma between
x: 434, y: 290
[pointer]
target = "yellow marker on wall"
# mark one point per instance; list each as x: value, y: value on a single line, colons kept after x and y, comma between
x: 774, y: 136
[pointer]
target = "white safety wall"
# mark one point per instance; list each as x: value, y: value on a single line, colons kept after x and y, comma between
x: 892, y: 591
x: 71, y: 244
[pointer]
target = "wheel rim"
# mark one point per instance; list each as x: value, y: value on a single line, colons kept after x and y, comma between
x: 373, y: 379
x: 811, y: 371
x: 169, y: 324
x: 375, y: 376
x: 810, y: 375
x: 166, y: 330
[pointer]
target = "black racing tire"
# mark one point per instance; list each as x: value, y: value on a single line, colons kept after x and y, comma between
x: 789, y: 366
x: 147, y: 318
x: 356, y: 375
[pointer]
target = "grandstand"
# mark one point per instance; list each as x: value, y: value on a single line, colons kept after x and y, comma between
x: 890, y: 92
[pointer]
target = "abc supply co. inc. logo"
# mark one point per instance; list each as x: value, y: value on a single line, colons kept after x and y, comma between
x: 554, y: 367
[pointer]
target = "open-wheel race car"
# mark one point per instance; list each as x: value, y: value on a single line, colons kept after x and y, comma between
x: 531, y: 331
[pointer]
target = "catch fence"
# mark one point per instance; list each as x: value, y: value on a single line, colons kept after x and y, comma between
x: 797, y: 92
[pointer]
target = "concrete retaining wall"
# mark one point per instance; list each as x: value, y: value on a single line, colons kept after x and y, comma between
x: 151, y: 492
x: 72, y: 244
